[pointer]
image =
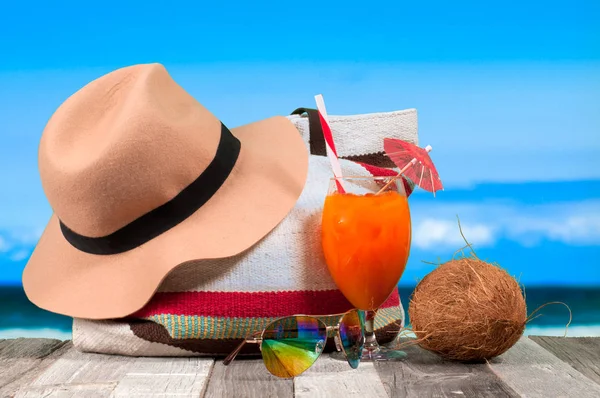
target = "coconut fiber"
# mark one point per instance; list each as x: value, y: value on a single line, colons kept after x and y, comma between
x: 467, y: 310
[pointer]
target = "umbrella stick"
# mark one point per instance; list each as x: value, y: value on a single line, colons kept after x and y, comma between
x: 396, y: 176
x: 410, y: 164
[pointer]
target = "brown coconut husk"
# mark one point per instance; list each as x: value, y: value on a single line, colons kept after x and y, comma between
x: 468, y: 310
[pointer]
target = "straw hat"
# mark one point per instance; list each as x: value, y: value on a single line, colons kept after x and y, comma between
x: 141, y: 178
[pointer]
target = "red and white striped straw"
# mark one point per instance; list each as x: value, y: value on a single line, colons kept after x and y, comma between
x: 329, y: 144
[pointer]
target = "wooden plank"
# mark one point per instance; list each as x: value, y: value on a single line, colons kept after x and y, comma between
x: 76, y: 367
x: 87, y: 374
x: 19, y: 357
x: 103, y: 390
x: 582, y: 353
x: 535, y: 367
x: 246, y: 378
x: 532, y: 371
x: 424, y: 374
x: 330, y: 377
x: 4, y: 343
x: 161, y: 377
x: 77, y: 374
x: 27, y: 348
x: 28, y: 376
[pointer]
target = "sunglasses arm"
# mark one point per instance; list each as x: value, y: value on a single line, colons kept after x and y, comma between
x: 251, y: 340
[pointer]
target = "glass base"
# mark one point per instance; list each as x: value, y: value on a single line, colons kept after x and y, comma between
x: 382, y: 353
x: 372, y: 351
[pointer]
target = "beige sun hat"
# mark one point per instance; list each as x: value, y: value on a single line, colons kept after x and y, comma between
x: 141, y: 178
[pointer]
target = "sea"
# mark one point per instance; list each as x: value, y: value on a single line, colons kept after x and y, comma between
x: 20, y: 318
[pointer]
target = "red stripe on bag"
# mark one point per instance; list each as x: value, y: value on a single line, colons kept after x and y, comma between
x: 250, y: 304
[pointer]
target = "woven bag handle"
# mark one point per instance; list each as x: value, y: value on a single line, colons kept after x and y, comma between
x: 377, y: 163
x: 317, y: 142
x: 316, y: 139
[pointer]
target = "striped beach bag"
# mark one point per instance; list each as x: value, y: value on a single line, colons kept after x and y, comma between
x: 207, y: 307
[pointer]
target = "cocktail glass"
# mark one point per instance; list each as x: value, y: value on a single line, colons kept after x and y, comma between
x: 366, y: 242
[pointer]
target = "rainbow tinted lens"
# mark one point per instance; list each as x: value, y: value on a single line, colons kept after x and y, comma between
x: 352, y: 334
x: 291, y: 345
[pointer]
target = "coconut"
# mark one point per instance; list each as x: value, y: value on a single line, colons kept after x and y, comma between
x: 467, y: 310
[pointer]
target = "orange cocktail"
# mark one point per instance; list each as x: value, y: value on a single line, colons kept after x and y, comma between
x: 366, y: 241
x: 366, y: 234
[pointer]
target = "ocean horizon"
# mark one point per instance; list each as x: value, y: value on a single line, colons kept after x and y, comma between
x: 23, y: 319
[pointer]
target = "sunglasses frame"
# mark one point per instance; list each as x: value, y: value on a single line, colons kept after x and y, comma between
x: 257, y: 337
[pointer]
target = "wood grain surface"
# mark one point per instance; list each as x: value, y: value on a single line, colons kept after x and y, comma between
x: 534, y: 367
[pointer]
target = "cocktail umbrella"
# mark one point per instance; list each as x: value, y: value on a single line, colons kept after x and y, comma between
x: 414, y: 163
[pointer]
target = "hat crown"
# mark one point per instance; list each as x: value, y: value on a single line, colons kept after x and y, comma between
x: 123, y: 145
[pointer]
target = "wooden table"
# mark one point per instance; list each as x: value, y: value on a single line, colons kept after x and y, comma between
x: 534, y: 367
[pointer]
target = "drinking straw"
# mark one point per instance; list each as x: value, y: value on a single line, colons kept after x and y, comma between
x: 329, y: 144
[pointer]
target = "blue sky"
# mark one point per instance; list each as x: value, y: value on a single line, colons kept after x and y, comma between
x: 508, y: 95
x: 110, y: 33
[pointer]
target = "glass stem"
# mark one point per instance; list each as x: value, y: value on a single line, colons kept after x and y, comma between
x: 371, y: 344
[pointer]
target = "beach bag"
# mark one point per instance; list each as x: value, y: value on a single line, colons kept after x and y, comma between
x: 207, y: 307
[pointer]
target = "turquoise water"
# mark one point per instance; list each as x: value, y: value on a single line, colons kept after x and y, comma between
x: 20, y: 318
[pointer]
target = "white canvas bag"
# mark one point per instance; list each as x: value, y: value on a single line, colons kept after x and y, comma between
x: 207, y: 307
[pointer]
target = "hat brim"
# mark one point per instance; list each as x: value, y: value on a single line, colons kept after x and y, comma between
x: 263, y: 187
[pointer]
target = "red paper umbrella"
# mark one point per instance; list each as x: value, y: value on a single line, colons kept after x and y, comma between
x: 414, y: 163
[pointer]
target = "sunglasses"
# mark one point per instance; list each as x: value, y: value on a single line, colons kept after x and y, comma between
x: 290, y: 345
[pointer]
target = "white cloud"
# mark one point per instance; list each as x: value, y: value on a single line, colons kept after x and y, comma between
x: 435, y: 226
x: 4, y: 246
x: 572, y: 229
x: 19, y: 255
x: 16, y: 245
x: 27, y: 236
x: 432, y: 232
